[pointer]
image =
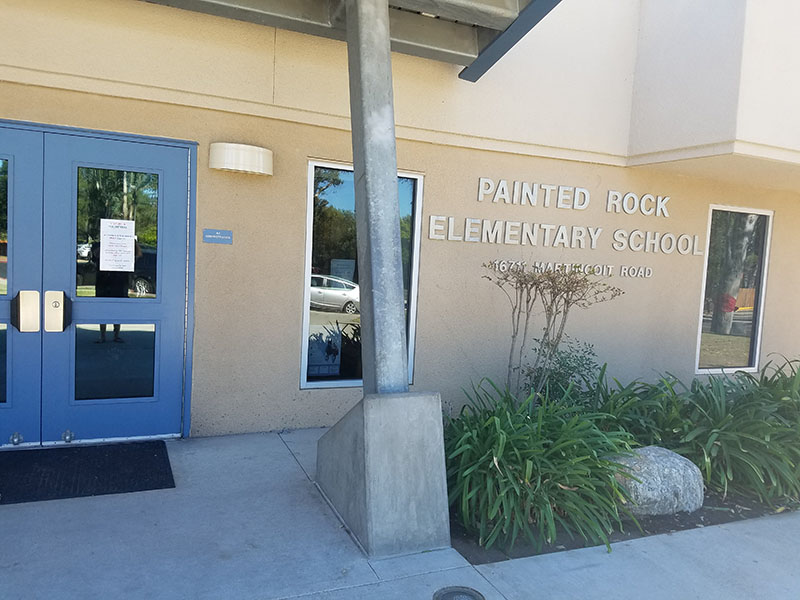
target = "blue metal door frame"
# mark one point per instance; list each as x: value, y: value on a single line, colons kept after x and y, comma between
x: 40, y: 200
x: 20, y: 415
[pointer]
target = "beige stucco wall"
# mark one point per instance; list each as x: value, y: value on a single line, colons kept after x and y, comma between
x: 716, y: 79
x: 565, y: 91
x: 561, y: 108
x: 770, y: 92
x: 623, y: 82
x: 248, y: 296
x: 687, y: 80
x: 651, y: 329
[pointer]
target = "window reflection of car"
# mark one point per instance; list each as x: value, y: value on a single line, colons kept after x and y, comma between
x: 144, y: 275
x: 334, y: 293
x: 143, y: 278
x: 84, y: 250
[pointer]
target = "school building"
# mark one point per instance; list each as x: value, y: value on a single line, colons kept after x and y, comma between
x: 178, y: 200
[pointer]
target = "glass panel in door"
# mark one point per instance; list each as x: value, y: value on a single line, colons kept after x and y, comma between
x: 116, y: 361
x: 117, y: 233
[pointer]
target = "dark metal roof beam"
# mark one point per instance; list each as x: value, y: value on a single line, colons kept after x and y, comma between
x: 433, y: 38
x: 528, y: 18
x: 494, y: 14
x: 465, y: 32
x: 411, y: 33
x: 305, y: 16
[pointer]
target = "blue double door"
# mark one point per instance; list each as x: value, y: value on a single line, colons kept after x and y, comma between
x: 93, y: 281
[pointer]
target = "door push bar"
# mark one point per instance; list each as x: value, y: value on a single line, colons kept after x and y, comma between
x: 25, y: 311
x: 57, y: 311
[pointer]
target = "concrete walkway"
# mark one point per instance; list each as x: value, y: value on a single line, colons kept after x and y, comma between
x: 245, y: 521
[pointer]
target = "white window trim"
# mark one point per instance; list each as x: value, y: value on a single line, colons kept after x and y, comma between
x: 761, y: 292
x: 412, y: 294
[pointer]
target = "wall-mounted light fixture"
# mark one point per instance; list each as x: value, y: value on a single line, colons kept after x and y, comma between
x: 240, y: 158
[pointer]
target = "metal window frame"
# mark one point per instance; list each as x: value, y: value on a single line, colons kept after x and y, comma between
x: 756, y: 356
x: 416, y: 243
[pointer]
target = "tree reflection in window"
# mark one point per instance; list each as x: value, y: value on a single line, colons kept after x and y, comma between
x: 334, y: 336
x: 732, y: 294
x: 116, y: 194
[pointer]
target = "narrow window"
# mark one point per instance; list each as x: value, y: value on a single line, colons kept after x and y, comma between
x: 332, y: 332
x: 730, y: 330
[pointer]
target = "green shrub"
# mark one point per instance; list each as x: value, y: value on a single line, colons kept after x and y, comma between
x: 654, y: 414
x: 782, y: 384
x: 572, y: 364
x: 522, y: 469
x: 742, y: 431
x: 736, y: 432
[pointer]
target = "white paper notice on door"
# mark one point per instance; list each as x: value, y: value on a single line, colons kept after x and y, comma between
x: 117, y: 245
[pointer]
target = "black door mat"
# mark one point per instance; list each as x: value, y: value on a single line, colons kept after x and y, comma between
x: 76, y: 471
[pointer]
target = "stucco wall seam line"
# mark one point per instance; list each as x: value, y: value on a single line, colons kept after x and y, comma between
x: 740, y: 147
x: 674, y: 154
x: 75, y: 83
x: 767, y: 151
x: 631, y: 111
x: 737, y: 115
x: 496, y: 145
x: 274, y: 61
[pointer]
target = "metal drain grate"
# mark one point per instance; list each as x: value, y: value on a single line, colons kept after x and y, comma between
x: 458, y: 593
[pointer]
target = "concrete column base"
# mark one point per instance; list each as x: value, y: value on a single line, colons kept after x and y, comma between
x: 382, y: 468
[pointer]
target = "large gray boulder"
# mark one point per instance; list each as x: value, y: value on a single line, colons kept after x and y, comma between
x: 668, y: 482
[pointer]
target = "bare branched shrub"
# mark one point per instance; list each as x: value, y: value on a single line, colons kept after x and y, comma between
x: 556, y: 292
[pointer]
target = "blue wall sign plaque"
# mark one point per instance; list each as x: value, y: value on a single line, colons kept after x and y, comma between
x: 217, y: 236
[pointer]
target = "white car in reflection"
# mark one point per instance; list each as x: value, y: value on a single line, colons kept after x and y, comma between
x: 84, y: 250
x: 333, y: 293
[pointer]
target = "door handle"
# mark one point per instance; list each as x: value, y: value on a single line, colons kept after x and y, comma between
x: 57, y: 311
x: 25, y: 311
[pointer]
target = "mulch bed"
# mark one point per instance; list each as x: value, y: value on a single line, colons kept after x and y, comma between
x: 715, y: 511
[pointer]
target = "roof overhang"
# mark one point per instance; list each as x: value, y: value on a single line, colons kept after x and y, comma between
x: 473, y: 33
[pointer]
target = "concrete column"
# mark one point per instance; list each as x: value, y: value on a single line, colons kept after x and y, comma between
x: 382, y: 468
x: 382, y: 465
x: 380, y: 268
